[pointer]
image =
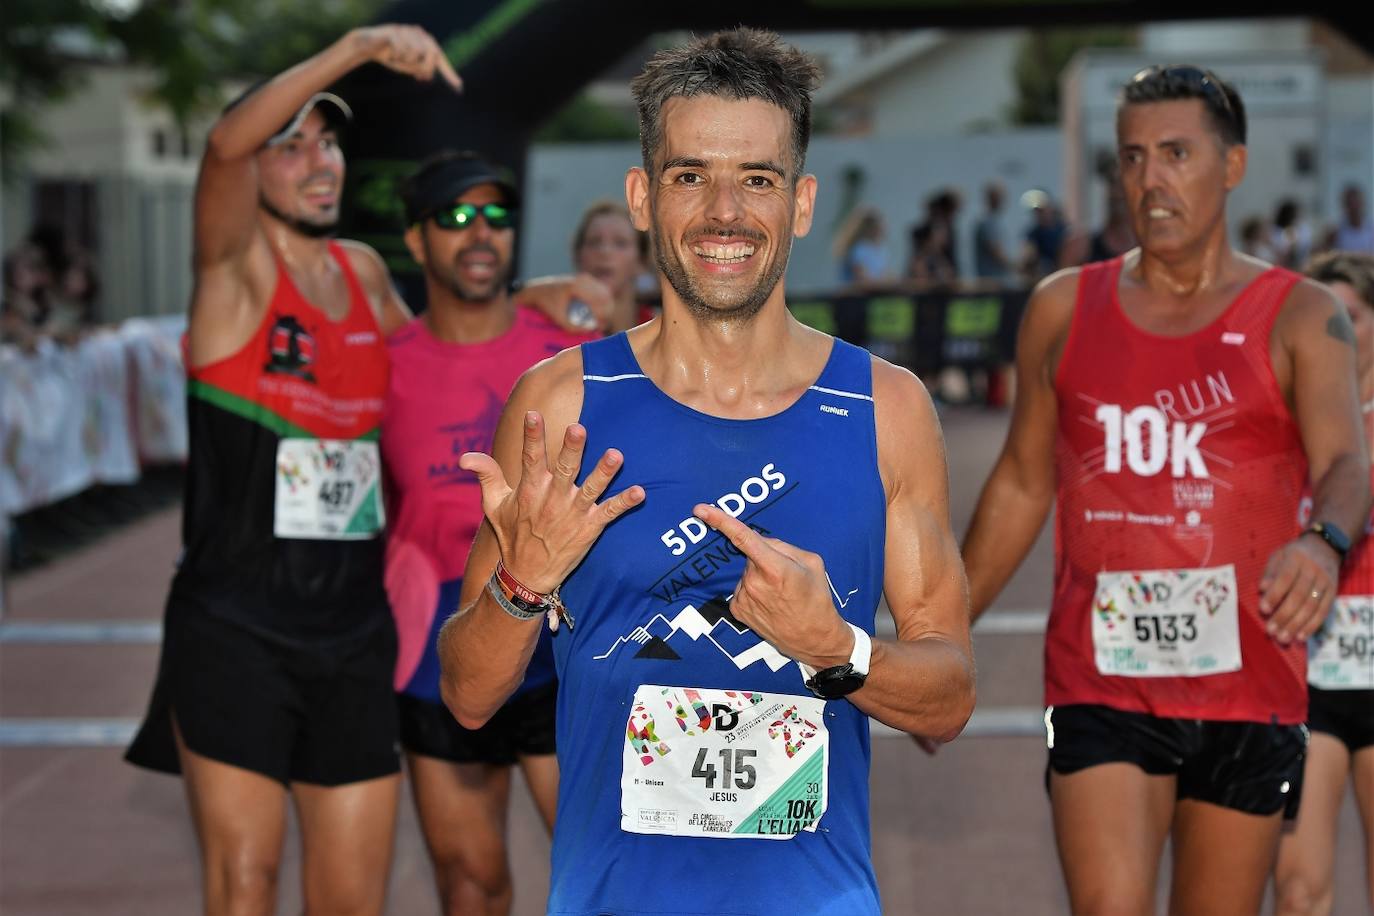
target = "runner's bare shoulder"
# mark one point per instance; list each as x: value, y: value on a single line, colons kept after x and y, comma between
x: 553, y: 387
x: 1045, y: 324
x: 375, y: 278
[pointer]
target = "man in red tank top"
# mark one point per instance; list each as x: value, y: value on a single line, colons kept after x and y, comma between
x: 278, y: 648
x: 1171, y: 405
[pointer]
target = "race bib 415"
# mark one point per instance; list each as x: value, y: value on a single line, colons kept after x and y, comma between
x: 723, y: 763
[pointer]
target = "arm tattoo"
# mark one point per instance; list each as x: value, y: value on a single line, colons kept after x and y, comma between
x: 1339, y: 327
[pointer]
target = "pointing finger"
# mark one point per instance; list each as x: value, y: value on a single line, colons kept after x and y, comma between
x: 749, y: 541
x: 448, y: 73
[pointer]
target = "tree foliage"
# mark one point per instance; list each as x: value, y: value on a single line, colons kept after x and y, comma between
x: 1042, y: 58
x: 191, y: 46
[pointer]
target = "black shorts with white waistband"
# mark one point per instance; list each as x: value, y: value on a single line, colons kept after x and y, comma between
x: 1254, y: 767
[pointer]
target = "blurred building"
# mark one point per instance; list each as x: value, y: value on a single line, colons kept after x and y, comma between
x: 116, y: 177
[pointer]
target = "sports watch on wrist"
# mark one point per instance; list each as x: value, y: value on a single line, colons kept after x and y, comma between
x: 841, y: 680
x: 1334, y: 537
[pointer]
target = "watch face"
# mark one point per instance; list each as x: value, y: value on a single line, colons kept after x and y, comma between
x: 1333, y: 536
x: 840, y: 681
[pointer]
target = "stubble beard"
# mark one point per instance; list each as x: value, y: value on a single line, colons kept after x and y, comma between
x: 478, y: 295
x: 705, y: 308
x: 326, y: 229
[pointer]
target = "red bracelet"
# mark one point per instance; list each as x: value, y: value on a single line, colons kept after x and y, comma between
x: 513, y: 589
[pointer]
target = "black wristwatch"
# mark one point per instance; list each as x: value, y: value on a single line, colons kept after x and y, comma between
x: 1334, y: 537
x: 841, y: 680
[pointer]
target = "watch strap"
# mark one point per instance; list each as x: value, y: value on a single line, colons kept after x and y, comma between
x: 859, y: 656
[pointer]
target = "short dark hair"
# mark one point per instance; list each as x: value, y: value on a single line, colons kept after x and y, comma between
x: 1345, y: 267
x: 1184, y: 81
x: 736, y: 64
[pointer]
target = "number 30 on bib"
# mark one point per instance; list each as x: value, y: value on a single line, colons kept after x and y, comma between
x: 730, y: 764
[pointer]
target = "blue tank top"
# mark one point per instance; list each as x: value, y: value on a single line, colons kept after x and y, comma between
x: 649, y: 613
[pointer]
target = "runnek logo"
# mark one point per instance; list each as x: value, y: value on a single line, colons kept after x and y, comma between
x: 837, y: 411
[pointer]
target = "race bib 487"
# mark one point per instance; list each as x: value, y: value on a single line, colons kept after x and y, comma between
x: 328, y: 489
x: 723, y: 763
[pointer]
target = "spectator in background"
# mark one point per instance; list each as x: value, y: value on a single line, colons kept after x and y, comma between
x: 933, y: 250
x: 1254, y: 239
x: 1114, y: 238
x: 1045, y: 238
x: 1292, y: 235
x: 73, y: 296
x: 1355, y: 232
x: 860, y: 250
x: 24, y: 307
x: 991, y: 260
x: 608, y: 246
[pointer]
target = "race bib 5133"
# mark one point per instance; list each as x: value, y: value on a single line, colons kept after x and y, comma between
x: 1166, y: 622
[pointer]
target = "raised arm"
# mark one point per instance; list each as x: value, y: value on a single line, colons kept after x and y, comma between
x: 1020, y: 490
x: 539, y: 526
x: 230, y: 255
x: 1313, y: 347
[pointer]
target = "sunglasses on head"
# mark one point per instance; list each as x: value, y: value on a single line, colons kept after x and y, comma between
x: 461, y: 216
x: 1194, y: 76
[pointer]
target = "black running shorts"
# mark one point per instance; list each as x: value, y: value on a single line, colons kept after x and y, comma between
x: 1253, y: 767
x: 319, y: 715
x: 524, y: 727
x: 1346, y: 714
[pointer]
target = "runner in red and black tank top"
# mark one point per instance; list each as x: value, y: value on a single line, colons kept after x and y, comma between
x: 306, y: 378
x: 1223, y: 489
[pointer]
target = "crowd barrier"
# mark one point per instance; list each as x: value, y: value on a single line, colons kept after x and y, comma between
x: 91, y: 413
x: 925, y: 330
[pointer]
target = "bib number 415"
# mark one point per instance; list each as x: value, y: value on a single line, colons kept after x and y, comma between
x: 732, y: 763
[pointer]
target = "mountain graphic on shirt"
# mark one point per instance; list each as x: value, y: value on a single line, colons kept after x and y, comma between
x: 710, y: 625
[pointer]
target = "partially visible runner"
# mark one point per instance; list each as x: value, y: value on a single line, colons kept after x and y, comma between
x: 1340, y: 664
x: 715, y: 685
x: 451, y: 371
x: 279, y: 647
x: 607, y: 245
x: 1172, y: 404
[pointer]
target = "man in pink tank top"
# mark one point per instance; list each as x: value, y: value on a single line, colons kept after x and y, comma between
x: 1172, y: 403
x: 451, y: 372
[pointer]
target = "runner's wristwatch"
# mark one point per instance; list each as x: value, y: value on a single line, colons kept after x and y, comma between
x: 1334, y: 537
x: 841, y: 680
